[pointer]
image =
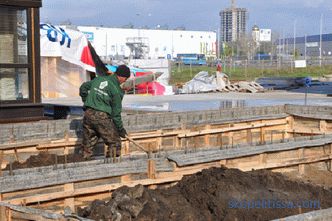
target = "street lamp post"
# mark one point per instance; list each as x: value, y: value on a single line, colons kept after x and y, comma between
x: 320, y: 40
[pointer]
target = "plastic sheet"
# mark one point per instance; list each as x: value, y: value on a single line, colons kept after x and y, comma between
x: 60, y: 78
x: 202, y: 82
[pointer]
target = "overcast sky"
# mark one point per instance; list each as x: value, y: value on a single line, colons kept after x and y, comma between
x: 279, y: 15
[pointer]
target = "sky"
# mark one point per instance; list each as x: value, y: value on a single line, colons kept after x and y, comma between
x: 284, y: 17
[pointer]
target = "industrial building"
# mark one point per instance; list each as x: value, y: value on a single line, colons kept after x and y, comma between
x: 233, y: 23
x: 307, y: 46
x: 120, y: 43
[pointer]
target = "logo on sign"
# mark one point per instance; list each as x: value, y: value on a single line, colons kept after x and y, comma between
x: 55, y: 34
x: 307, y: 82
x: 89, y: 35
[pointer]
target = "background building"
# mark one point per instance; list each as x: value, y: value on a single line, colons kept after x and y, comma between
x: 233, y: 23
x: 119, y: 43
x: 255, y: 33
x: 306, y: 46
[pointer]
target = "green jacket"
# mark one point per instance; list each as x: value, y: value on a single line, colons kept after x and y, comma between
x: 104, y: 94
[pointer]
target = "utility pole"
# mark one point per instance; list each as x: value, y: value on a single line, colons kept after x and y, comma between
x: 305, y: 47
x: 294, y: 41
x: 294, y: 45
x: 320, y: 40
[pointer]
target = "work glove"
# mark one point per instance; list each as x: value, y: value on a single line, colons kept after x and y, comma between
x: 123, y: 133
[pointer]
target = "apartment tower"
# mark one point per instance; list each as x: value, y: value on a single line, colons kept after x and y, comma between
x: 233, y: 23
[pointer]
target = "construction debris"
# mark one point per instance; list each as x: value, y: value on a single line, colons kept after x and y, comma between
x: 283, y: 82
x: 203, y: 82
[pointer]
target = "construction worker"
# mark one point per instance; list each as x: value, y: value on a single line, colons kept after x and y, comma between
x: 102, y: 99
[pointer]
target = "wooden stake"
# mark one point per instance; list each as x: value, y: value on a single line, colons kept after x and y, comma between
x: 221, y: 141
x: 151, y: 169
x: 3, y: 213
x: 249, y: 136
x: 262, y: 159
x: 16, y: 154
x: 301, y: 167
x: 125, y: 178
x: 322, y: 126
x: 1, y: 159
x: 283, y: 136
x: 159, y: 140
x: 105, y: 153
x: 70, y: 202
x: 207, y: 136
x: 331, y: 157
x: 262, y: 135
x: 126, y: 149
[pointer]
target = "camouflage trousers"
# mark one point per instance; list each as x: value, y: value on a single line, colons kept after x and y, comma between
x: 98, y: 124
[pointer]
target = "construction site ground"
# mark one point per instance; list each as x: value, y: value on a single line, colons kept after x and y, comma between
x: 193, y: 170
x: 205, y: 101
x: 214, y: 194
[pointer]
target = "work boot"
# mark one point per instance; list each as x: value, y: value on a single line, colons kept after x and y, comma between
x: 113, y: 152
x: 87, y: 153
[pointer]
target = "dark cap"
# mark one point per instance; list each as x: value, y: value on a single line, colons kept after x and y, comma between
x: 123, y: 71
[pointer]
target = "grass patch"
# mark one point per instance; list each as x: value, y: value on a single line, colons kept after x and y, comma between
x: 182, y: 74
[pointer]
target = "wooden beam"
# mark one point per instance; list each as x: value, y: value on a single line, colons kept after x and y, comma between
x: 3, y: 211
x: 163, y: 177
x: 262, y: 135
x: 151, y: 169
x: 289, y: 163
x: 69, y: 202
x: 322, y: 126
x: 262, y: 158
x: 126, y: 148
x: 223, y: 162
x: 207, y: 136
x: 249, y: 136
x: 331, y: 157
x: 1, y: 160
x: 159, y: 140
x: 27, y: 217
x: 125, y: 178
x: 229, y: 129
x: 304, y: 131
x: 289, y: 125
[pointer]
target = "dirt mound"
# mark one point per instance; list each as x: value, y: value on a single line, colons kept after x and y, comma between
x: 45, y: 159
x: 214, y: 194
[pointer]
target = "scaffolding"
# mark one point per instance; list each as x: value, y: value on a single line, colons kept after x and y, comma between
x: 139, y: 47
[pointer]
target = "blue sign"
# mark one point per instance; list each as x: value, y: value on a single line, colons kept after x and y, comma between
x: 307, y: 81
x: 89, y: 35
x: 169, y: 56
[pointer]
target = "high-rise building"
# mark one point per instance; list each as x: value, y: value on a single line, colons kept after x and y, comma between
x: 233, y: 23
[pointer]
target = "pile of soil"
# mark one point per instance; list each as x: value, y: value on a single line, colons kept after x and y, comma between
x: 45, y: 159
x: 213, y: 194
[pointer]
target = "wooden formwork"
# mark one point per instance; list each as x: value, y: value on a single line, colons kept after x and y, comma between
x: 275, y: 144
x: 227, y: 134
x: 9, y: 212
x: 293, y: 154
